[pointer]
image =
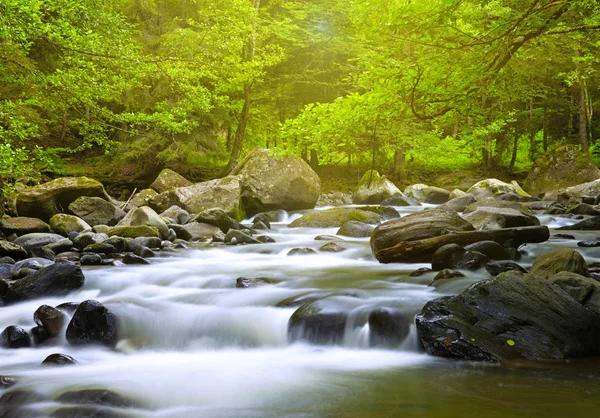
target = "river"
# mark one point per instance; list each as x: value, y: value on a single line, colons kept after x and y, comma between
x: 193, y: 345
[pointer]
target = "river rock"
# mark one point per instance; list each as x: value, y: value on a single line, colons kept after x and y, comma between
x: 62, y: 224
x: 301, y: 251
x: 400, y: 201
x: 96, y: 211
x: 92, y: 323
x: 58, y: 359
x: 45, y: 200
x: 133, y: 259
x: 88, y: 238
x: 60, y: 246
x: 415, y: 191
x: 247, y: 282
x: 435, y: 195
x: 52, y: 319
x: 91, y: 259
x: 145, y: 216
x: 200, y: 231
x: 491, y: 249
x: 181, y: 216
x: 453, y: 256
x: 12, y: 250
x: 57, y: 279
x: 563, y: 259
x: 417, y: 226
x: 514, y: 316
x: 139, y: 231
x: 238, y: 237
x: 584, y: 209
x: 584, y: 290
x: 38, y: 239
x: 373, y: 189
x: 335, y: 217
x: 282, y: 182
x: 143, y: 197
x: 591, y: 224
x: 14, y: 337
x: 561, y: 168
x: 459, y: 204
x: 388, y: 327
x: 169, y: 179
x: 22, y: 225
x: 355, y: 229
x: 494, y: 268
x: 491, y: 213
x: 492, y: 187
x: 321, y: 322
x: 332, y: 247
x: 101, y: 248
x: 219, y: 218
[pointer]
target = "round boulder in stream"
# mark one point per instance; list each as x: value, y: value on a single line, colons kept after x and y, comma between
x: 92, y: 323
x: 14, y: 337
x: 321, y: 322
x: 514, y: 316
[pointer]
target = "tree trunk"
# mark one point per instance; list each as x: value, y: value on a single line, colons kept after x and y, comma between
x: 314, y: 159
x: 545, y: 127
x: 513, y: 158
x: 399, y: 165
x: 583, y: 131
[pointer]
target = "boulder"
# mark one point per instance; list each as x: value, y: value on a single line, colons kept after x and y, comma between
x: 374, y: 189
x: 591, y: 188
x: 138, y: 231
x: 400, y: 201
x: 96, y: 211
x: 92, y: 323
x: 415, y: 191
x: 45, y: 200
x: 332, y: 247
x: 435, y: 195
x: 12, y: 250
x: 130, y: 258
x: 58, y: 359
x: 88, y: 238
x: 169, y: 179
x: 563, y: 259
x: 179, y: 215
x: 55, y: 280
x: 145, y: 216
x: 91, y: 259
x: 584, y: 209
x: 22, y: 225
x: 218, y: 218
x: 37, y: 239
x: 584, y: 290
x: 355, y: 229
x: 14, y: 337
x: 270, y: 182
x: 561, y: 168
x: 198, y: 231
x: 491, y: 249
x: 417, y: 226
x: 53, y: 320
x: 320, y: 322
x: 388, y: 327
x: 301, y: 251
x: 492, y: 187
x: 335, y: 217
x: 238, y: 237
x: 514, y: 316
x: 460, y: 203
x: 143, y: 197
x: 494, y: 268
x: 491, y: 213
x: 453, y: 256
x: 62, y: 224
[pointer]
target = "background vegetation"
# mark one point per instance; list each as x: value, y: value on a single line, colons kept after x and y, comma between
x: 123, y: 88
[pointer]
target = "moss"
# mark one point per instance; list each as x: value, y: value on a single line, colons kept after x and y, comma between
x: 134, y: 231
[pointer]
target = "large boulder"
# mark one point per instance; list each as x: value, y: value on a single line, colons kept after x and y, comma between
x: 459, y: 203
x: 514, y: 316
x: 92, y: 323
x: 219, y: 218
x: 491, y: 213
x: 169, y: 179
x: 62, y: 224
x: 415, y: 191
x: 321, y: 322
x: 374, y: 189
x: 563, y: 259
x: 270, y: 183
x: 335, y: 217
x: 145, y: 216
x: 561, y: 168
x: 492, y: 187
x: 143, y: 197
x: 584, y: 290
x: 54, y: 197
x: 22, y: 225
x: 97, y: 211
x: 55, y: 280
x: 225, y: 193
x: 591, y: 188
x: 417, y: 226
x: 435, y: 195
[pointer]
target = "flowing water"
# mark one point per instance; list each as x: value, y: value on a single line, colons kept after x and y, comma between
x: 193, y: 345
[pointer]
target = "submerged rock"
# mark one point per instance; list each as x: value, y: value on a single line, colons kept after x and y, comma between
x: 58, y: 359
x: 514, y: 316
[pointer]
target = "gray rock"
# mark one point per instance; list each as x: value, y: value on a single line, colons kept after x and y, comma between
x: 97, y: 211
x: 88, y: 238
x: 355, y: 229
x: 169, y: 179
x: 373, y: 189
x: 459, y: 204
x: 23, y: 225
x: 12, y: 250
x: 62, y: 224
x: 34, y: 240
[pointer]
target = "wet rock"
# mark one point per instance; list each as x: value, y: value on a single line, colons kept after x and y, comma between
x: 119, y: 243
x: 446, y: 274
x: 335, y: 217
x: 239, y: 237
x: 388, y: 327
x: 134, y: 259
x: 420, y: 271
x: 497, y: 267
x: 144, y: 252
x: 453, y: 256
x: 88, y: 238
x: 591, y: 224
x: 96, y: 211
x: 584, y: 290
x: 247, y: 282
x: 39, y: 335
x: 101, y: 248
x: 58, y: 359
x: 7, y: 260
x: 12, y: 250
x: 169, y: 179
x: 261, y: 217
x: 301, y: 251
x: 68, y: 307
x: 355, y: 229
x: 134, y: 231
x: 400, y: 201
x: 563, y: 259
x: 259, y: 226
x: 218, y: 236
x: 14, y: 337
x: 589, y: 244
x: 321, y: 322
x: 459, y: 204
x: 60, y: 246
x: 52, y: 319
x: 491, y: 249
x: 332, y: 247
x: 200, y: 231
x: 71, y: 256
x: 35, y: 240
x: 265, y: 239
x: 43, y: 252
x: 514, y: 316
x: 328, y: 238
x: 45, y: 200
x: 7, y: 382
x: 92, y: 323
x: 91, y: 259
x: 417, y: 226
x: 504, y: 214
x: 218, y: 217
x: 374, y: 188
x: 584, y: 209
x: 55, y: 280
x: 85, y: 411
x: 270, y: 182
x: 22, y: 225
x: 95, y: 397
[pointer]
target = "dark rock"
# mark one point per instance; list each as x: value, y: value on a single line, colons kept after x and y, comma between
x: 39, y: 335
x: 68, y: 307
x: 301, y: 251
x: 60, y: 246
x: 119, y: 243
x: 134, y: 259
x: 29, y: 241
x: 14, y: 337
x: 144, y: 252
x: 85, y: 411
x: 100, y: 248
x: 514, y: 197
x: 55, y: 280
x: 12, y: 250
x: 332, y: 247
x: 92, y: 323
x: 453, y: 256
x: 7, y: 260
x: 400, y: 201
x: 274, y: 215
x: 88, y: 238
x: 460, y: 203
x: 246, y: 282
x: 591, y: 224
x: 446, y: 274
x: 261, y: 217
x: 514, y: 316
x: 320, y: 322
x: 23, y: 225
x: 563, y: 259
x: 388, y: 327
x: 218, y: 218
x: 95, y: 397
x: 36, y: 263
x: 52, y: 319
x: 584, y: 209
x: 589, y: 244
x: 355, y: 229
x: 265, y: 239
x: 491, y: 249
x: 7, y: 382
x: 563, y: 236
x: 58, y: 359
x: 259, y: 226
x: 497, y: 267
x: 419, y: 272
x: 91, y: 259
x: 239, y: 237
x: 181, y: 232
x: 43, y: 252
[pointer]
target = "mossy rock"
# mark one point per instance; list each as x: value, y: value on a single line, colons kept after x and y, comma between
x: 374, y: 189
x: 134, y: 231
x: 143, y: 197
x: 62, y: 224
x: 23, y: 225
x: 563, y: 259
x: 48, y: 199
x: 491, y: 187
x: 335, y: 217
x: 561, y: 168
x: 169, y: 179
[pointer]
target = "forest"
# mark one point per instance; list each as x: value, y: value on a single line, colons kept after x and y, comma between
x: 124, y: 88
